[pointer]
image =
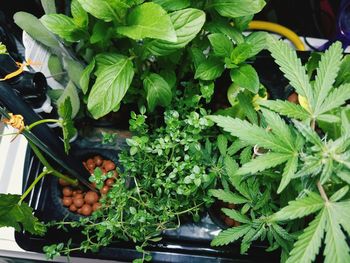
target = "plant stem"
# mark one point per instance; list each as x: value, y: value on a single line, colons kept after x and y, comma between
x: 313, y: 124
x: 322, y: 192
x: 49, y: 167
x: 41, y: 175
x: 31, y: 126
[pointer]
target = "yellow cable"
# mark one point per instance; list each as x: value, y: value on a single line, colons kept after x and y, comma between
x: 281, y: 30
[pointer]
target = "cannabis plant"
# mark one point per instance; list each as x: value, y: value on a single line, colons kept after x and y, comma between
x: 307, y: 153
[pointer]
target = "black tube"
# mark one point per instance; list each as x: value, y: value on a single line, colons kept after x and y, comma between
x: 48, y: 141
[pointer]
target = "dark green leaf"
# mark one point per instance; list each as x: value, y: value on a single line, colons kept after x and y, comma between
x: 158, y: 91
x: 241, y: 53
x: 221, y: 44
x: 210, y: 69
x: 80, y: 16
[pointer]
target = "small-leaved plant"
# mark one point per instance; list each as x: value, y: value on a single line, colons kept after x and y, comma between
x: 307, y: 167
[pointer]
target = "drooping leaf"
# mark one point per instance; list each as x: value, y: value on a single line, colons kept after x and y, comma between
x: 75, y: 70
x: 210, y: 69
x: 55, y: 66
x: 309, y: 242
x: 246, y: 77
x: 237, y: 8
x: 85, y: 76
x: 70, y: 92
x: 300, y: 208
x: 141, y: 23
x: 228, y: 197
x: 69, y: 131
x: 286, y: 108
x: 49, y: 6
x: 18, y: 215
x: 221, y: 44
x: 230, y: 235
x: 112, y: 83
x: 36, y: 29
x: 187, y: 24
x: 158, y: 91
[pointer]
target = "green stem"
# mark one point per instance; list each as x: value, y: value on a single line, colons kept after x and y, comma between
x: 31, y: 126
x: 190, y: 209
x: 30, y: 188
x: 49, y: 167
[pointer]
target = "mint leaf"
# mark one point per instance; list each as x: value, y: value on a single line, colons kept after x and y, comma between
x: 149, y: 20
x: 80, y: 16
x: 257, y: 41
x: 158, y: 91
x: 221, y: 44
x: 105, y: 9
x: 85, y: 77
x: 246, y: 77
x: 237, y: 8
x: 173, y: 5
x: 69, y: 131
x: 187, y: 24
x: 113, y: 81
x: 241, y: 53
x: 18, y: 215
x: 209, y: 69
x: 70, y: 92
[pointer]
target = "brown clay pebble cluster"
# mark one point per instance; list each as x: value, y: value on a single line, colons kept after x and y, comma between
x: 85, y: 203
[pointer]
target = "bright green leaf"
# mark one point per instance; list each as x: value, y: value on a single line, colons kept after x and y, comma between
x: 246, y: 77
x: 158, y: 91
x: 238, y: 8
x: 221, y: 44
x: 210, y: 69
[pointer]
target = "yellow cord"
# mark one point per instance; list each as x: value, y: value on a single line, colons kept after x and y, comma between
x: 281, y: 30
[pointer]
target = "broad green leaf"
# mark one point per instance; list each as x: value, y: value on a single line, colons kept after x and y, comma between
x: 241, y: 53
x: 187, y: 24
x: 286, y: 108
x: 149, y: 20
x: 230, y: 235
x: 257, y: 41
x: 112, y: 83
x: 228, y: 197
x: 173, y: 5
x: 69, y: 131
x: 308, y: 133
x: 32, y: 25
x: 237, y: 8
x: 246, y: 77
x: 210, y: 69
x: 80, y: 16
x: 18, y: 215
x: 336, y: 98
x: 263, y: 162
x: 336, y: 249
x: 158, y: 91
x: 63, y: 26
x: 74, y: 69
x: 49, y: 6
x: 300, y: 208
x: 245, y: 102
x: 71, y: 92
x: 327, y: 71
x: 250, y: 133
x: 221, y: 44
x: 292, y: 68
x: 339, y: 194
x: 235, y: 215
x: 85, y: 76
x: 226, y: 29
x: 107, y: 10
x: 55, y: 67
x: 309, y: 242
x: 288, y: 172
x: 197, y: 57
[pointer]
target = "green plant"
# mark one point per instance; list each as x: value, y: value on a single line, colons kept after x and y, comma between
x: 302, y: 159
x: 127, y: 49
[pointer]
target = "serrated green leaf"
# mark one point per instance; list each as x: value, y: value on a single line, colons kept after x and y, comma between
x: 282, y: 232
x: 18, y: 215
x: 327, y: 171
x: 300, y: 208
x: 237, y: 8
x: 32, y: 25
x: 343, y: 75
x: 187, y: 24
x: 286, y: 108
x: 85, y: 76
x: 288, y: 173
x: 252, y: 235
x: 263, y: 162
x: 292, y: 68
x: 336, y: 249
x: 141, y: 23
x: 209, y: 69
x: 158, y: 91
x: 235, y: 215
x: 336, y: 98
x: 222, y: 144
x: 112, y: 83
x: 250, y: 133
x: 308, y: 133
x: 309, y: 242
x: 230, y: 235
x: 339, y: 194
x: 221, y: 44
x: 344, y: 175
x: 228, y: 197
x: 246, y: 77
x: 327, y: 71
x: 246, y: 155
